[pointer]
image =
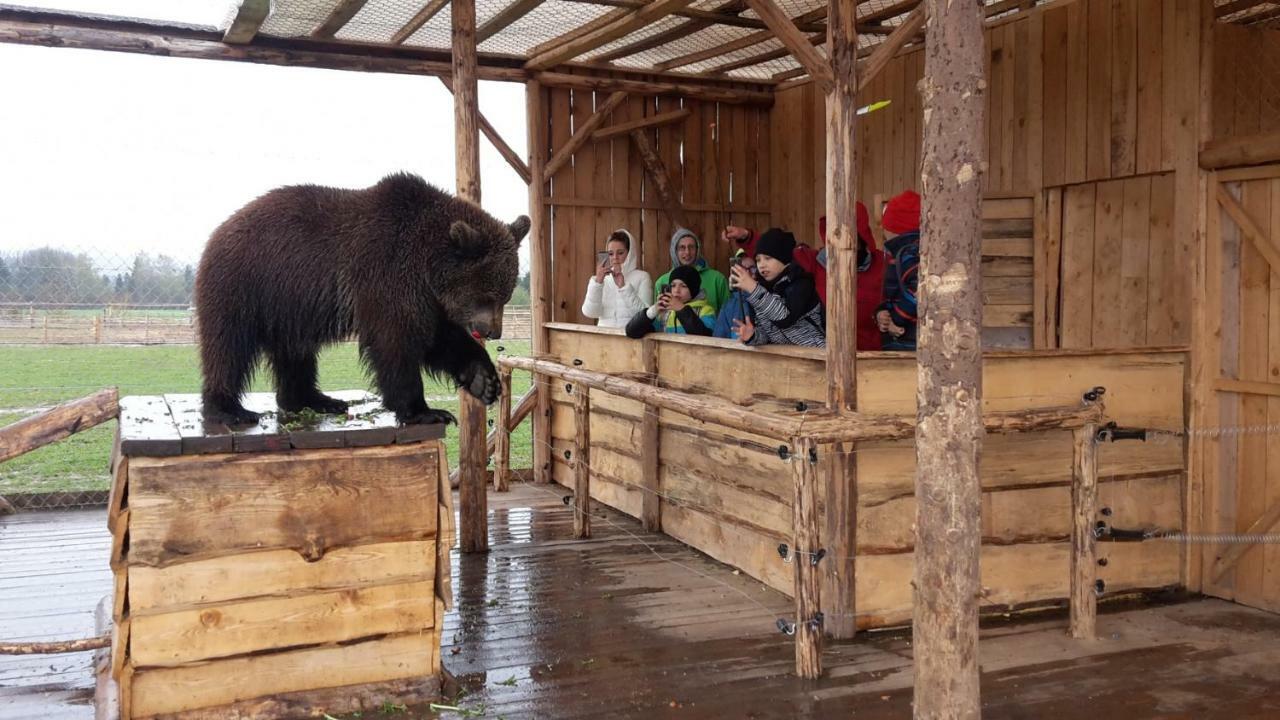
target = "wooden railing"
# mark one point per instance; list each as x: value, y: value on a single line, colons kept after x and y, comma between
x: 803, y: 435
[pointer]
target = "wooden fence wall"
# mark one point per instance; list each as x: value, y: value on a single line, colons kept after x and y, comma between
x: 718, y: 162
x: 1246, y: 81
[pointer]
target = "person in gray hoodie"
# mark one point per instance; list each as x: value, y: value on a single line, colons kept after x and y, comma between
x: 686, y: 249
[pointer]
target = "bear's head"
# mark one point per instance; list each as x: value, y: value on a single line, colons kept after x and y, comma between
x: 483, y: 273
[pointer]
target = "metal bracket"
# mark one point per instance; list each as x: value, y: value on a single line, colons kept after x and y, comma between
x: 814, y: 558
x: 1103, y: 531
x: 815, y: 622
x: 784, y: 452
x: 1112, y: 432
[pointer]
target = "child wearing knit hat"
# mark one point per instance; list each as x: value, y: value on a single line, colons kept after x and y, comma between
x: 679, y: 308
x: 897, y: 314
x: 784, y: 300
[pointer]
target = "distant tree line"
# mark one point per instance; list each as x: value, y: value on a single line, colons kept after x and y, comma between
x: 52, y: 276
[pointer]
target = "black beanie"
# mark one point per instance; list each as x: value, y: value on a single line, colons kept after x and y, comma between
x: 777, y: 244
x: 688, y: 275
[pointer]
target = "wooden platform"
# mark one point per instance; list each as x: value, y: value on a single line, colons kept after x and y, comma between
x: 626, y: 623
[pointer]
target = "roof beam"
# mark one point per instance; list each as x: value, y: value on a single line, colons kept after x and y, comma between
x: 506, y: 16
x: 728, y: 9
x: 634, y: 20
x: 885, y: 51
x: 602, y: 21
x: 890, y: 12
x: 744, y: 42
x: 695, y: 91
x: 1232, y: 8
x: 249, y: 17
x: 794, y: 40
x: 582, y: 135
x: 815, y: 39
x: 713, y: 15
x: 417, y: 21
x: 338, y: 18
x: 513, y: 159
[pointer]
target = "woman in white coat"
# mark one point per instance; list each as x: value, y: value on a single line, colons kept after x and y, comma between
x: 618, y: 290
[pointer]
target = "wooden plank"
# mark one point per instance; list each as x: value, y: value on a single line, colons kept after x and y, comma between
x: 338, y: 18
x: 571, y: 48
x: 1052, y: 271
x: 173, y: 639
x: 1171, y: 84
x: 806, y: 542
x: 502, y: 453
x: 422, y: 17
x: 1265, y: 523
x: 1168, y: 311
x: 650, y: 452
x: 564, y: 151
x: 1040, y: 262
x: 1148, y: 76
x: 1099, y: 90
x: 1243, y: 149
x: 1259, y: 239
x: 1077, y: 93
x: 1035, y: 45
x: 495, y: 138
x: 172, y: 690
x: 504, y: 17
x: 666, y: 118
x: 197, y: 437
x: 889, y: 47
x: 1135, y: 241
x: 1084, y: 550
x: 1055, y: 100
x: 147, y: 427
x: 1124, y: 87
x: 582, y: 462
x: 789, y: 35
x: 57, y: 423
x: 250, y: 14
x: 1078, y: 228
x: 446, y: 534
x: 270, y: 502
x: 1270, y: 553
x: 1108, y: 250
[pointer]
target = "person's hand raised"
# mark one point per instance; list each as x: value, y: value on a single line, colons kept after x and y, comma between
x: 618, y: 278
x: 734, y: 233
x: 742, y: 279
x: 745, y: 329
x: 601, y: 270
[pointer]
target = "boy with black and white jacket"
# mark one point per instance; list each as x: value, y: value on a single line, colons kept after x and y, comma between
x: 785, y: 300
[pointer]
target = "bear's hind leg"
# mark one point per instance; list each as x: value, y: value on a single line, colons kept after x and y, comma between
x: 296, y: 374
x: 227, y: 367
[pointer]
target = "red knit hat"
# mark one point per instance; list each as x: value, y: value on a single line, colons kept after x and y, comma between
x: 902, y: 214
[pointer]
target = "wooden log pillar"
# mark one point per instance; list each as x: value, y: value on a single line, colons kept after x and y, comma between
x: 502, y: 448
x: 472, y: 449
x: 539, y: 273
x: 949, y: 427
x: 1084, y: 543
x: 581, y: 461
x: 650, y: 500
x: 841, y: 519
x: 805, y: 543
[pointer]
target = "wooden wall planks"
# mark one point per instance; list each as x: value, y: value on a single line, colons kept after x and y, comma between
x: 1246, y: 81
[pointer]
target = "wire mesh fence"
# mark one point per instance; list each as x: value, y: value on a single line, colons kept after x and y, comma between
x: 76, y: 321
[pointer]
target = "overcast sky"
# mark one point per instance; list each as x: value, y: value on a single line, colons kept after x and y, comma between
x: 120, y: 153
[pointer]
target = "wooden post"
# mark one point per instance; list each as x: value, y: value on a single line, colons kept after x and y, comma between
x: 841, y: 520
x: 581, y: 461
x: 949, y: 429
x: 539, y: 273
x: 1084, y: 544
x: 650, y: 500
x: 808, y: 593
x: 472, y: 456
x: 502, y: 450
x: 661, y: 180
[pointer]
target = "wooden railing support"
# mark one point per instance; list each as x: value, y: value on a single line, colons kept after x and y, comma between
x: 58, y: 422
x: 650, y: 436
x: 1084, y: 543
x: 581, y: 461
x: 806, y: 544
x: 502, y: 448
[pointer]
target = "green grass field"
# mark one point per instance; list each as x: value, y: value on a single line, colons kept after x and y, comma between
x: 33, y: 377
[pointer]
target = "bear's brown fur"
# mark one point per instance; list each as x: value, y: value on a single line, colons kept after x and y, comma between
x: 409, y: 269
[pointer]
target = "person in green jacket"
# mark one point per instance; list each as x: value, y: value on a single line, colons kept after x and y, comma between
x: 687, y: 250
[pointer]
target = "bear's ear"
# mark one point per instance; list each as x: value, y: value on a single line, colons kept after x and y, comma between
x: 466, y: 240
x: 520, y: 228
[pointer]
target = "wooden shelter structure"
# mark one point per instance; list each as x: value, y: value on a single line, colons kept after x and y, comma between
x: 1129, y: 223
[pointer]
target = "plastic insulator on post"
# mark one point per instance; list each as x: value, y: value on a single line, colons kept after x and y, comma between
x: 816, y: 622
x: 802, y: 406
x: 1099, y: 587
x: 567, y: 499
x: 815, y: 558
x: 568, y: 387
x: 567, y: 454
x: 784, y: 552
x: 1106, y: 512
x: 785, y: 627
x: 813, y: 455
x: 577, y: 362
x: 784, y: 452
x: 1102, y: 562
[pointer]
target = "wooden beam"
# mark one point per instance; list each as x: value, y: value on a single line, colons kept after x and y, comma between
x: 948, y: 489
x: 1255, y: 149
x: 791, y: 74
x: 513, y: 159
x: 522, y: 410
x: 338, y: 18
x: 795, y: 41
x: 652, y: 121
x: 814, y: 39
x: 731, y: 46
x: 472, y: 449
x: 581, y: 461
x: 657, y: 171
x: 1252, y: 230
x: 806, y: 543
x: 1229, y: 557
x: 634, y: 20
x: 507, y: 15
x: 1084, y: 543
x: 728, y: 10
x: 841, y: 517
x: 428, y: 11
x: 502, y: 449
x: 712, y: 16
x: 538, y: 122
x: 885, y: 51
x: 57, y: 423
x: 249, y: 18
x: 890, y: 12
x: 642, y: 87
x: 582, y: 135
x: 1246, y: 387
x: 650, y: 449
x: 1232, y: 8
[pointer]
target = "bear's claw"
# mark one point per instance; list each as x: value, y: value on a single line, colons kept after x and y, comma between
x: 429, y: 416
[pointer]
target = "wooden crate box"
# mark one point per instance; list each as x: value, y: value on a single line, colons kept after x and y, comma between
x: 288, y: 571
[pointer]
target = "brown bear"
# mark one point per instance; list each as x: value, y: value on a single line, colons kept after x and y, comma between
x: 414, y: 272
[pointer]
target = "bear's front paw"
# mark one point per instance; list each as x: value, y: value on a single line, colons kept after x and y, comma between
x: 481, y: 380
x: 429, y: 416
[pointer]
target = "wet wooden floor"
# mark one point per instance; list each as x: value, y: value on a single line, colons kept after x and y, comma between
x: 630, y: 624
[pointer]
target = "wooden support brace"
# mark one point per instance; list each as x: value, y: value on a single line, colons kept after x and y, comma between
x: 744, y: 42
x: 650, y: 437
x: 1252, y: 230
x: 794, y: 40
x: 695, y: 91
x: 644, y: 123
x: 1084, y: 544
x: 582, y: 135
x: 54, y: 648
x: 249, y: 17
x: 513, y: 159
x: 564, y: 51
x: 1243, y: 150
x: 806, y: 543
x: 59, y: 422
x: 502, y: 451
x: 1246, y: 387
x: 524, y: 408
x: 581, y: 461
x: 422, y: 17
x: 338, y: 18
x: 657, y: 171
x: 1264, y: 524
x: 505, y: 16
x: 885, y: 51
